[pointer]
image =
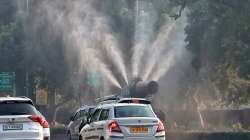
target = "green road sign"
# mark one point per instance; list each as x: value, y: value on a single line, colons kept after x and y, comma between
x: 7, y: 80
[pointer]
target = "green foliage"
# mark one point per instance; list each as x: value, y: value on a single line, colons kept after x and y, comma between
x: 235, y: 88
x: 218, y: 35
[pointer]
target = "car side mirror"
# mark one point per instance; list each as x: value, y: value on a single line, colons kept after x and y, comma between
x: 88, y: 120
x: 84, y: 120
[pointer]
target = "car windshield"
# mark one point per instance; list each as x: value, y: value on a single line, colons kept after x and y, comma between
x: 17, y: 109
x: 91, y: 110
x: 133, y: 111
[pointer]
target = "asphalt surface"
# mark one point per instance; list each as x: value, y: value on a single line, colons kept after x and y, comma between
x: 59, y: 137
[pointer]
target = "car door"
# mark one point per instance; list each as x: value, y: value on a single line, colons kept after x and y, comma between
x: 81, y: 115
x: 92, y: 128
x: 102, y: 121
x: 83, y: 119
x: 74, y: 130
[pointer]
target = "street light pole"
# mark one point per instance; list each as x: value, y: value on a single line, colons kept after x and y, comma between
x: 27, y: 4
x: 14, y: 84
x: 27, y: 84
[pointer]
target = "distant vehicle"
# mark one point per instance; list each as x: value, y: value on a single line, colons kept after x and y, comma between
x: 125, y: 118
x: 19, y: 120
x: 77, y: 121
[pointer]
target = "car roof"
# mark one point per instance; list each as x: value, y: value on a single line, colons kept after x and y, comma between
x: 117, y: 99
x: 8, y: 98
x: 85, y: 107
x: 131, y: 98
x: 18, y: 99
x: 120, y: 104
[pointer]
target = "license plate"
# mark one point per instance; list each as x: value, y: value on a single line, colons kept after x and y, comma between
x: 139, y: 130
x: 8, y: 127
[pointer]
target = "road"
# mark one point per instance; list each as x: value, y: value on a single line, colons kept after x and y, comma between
x: 59, y: 137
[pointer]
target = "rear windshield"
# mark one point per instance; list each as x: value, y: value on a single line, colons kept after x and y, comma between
x: 17, y: 109
x: 133, y: 111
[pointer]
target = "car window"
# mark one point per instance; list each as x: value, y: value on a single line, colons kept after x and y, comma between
x: 95, y: 116
x: 83, y: 113
x: 13, y: 108
x: 91, y: 111
x: 133, y: 111
x: 104, y: 115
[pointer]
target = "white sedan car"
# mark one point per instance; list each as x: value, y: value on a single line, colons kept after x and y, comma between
x: 19, y: 120
x: 127, y: 119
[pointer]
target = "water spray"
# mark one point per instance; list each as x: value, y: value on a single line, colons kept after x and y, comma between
x: 87, y: 32
x: 174, y: 55
x: 145, y: 19
x: 112, y: 49
x: 157, y: 48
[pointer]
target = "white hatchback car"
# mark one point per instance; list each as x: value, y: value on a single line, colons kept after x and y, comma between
x: 19, y: 120
x: 125, y: 119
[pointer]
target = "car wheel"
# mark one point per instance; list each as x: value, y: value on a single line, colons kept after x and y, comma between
x: 68, y: 136
x: 102, y: 138
x: 80, y: 138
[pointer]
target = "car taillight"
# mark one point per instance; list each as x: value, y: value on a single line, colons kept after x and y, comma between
x: 160, y: 127
x: 40, y: 120
x: 46, y: 138
x: 114, y: 127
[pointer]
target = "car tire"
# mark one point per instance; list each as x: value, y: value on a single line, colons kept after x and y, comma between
x: 80, y: 138
x: 102, y: 138
x: 69, y: 136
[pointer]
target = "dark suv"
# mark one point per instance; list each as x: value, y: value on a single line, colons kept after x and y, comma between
x: 77, y: 121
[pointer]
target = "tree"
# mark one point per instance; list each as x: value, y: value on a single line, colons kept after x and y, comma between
x: 217, y: 36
